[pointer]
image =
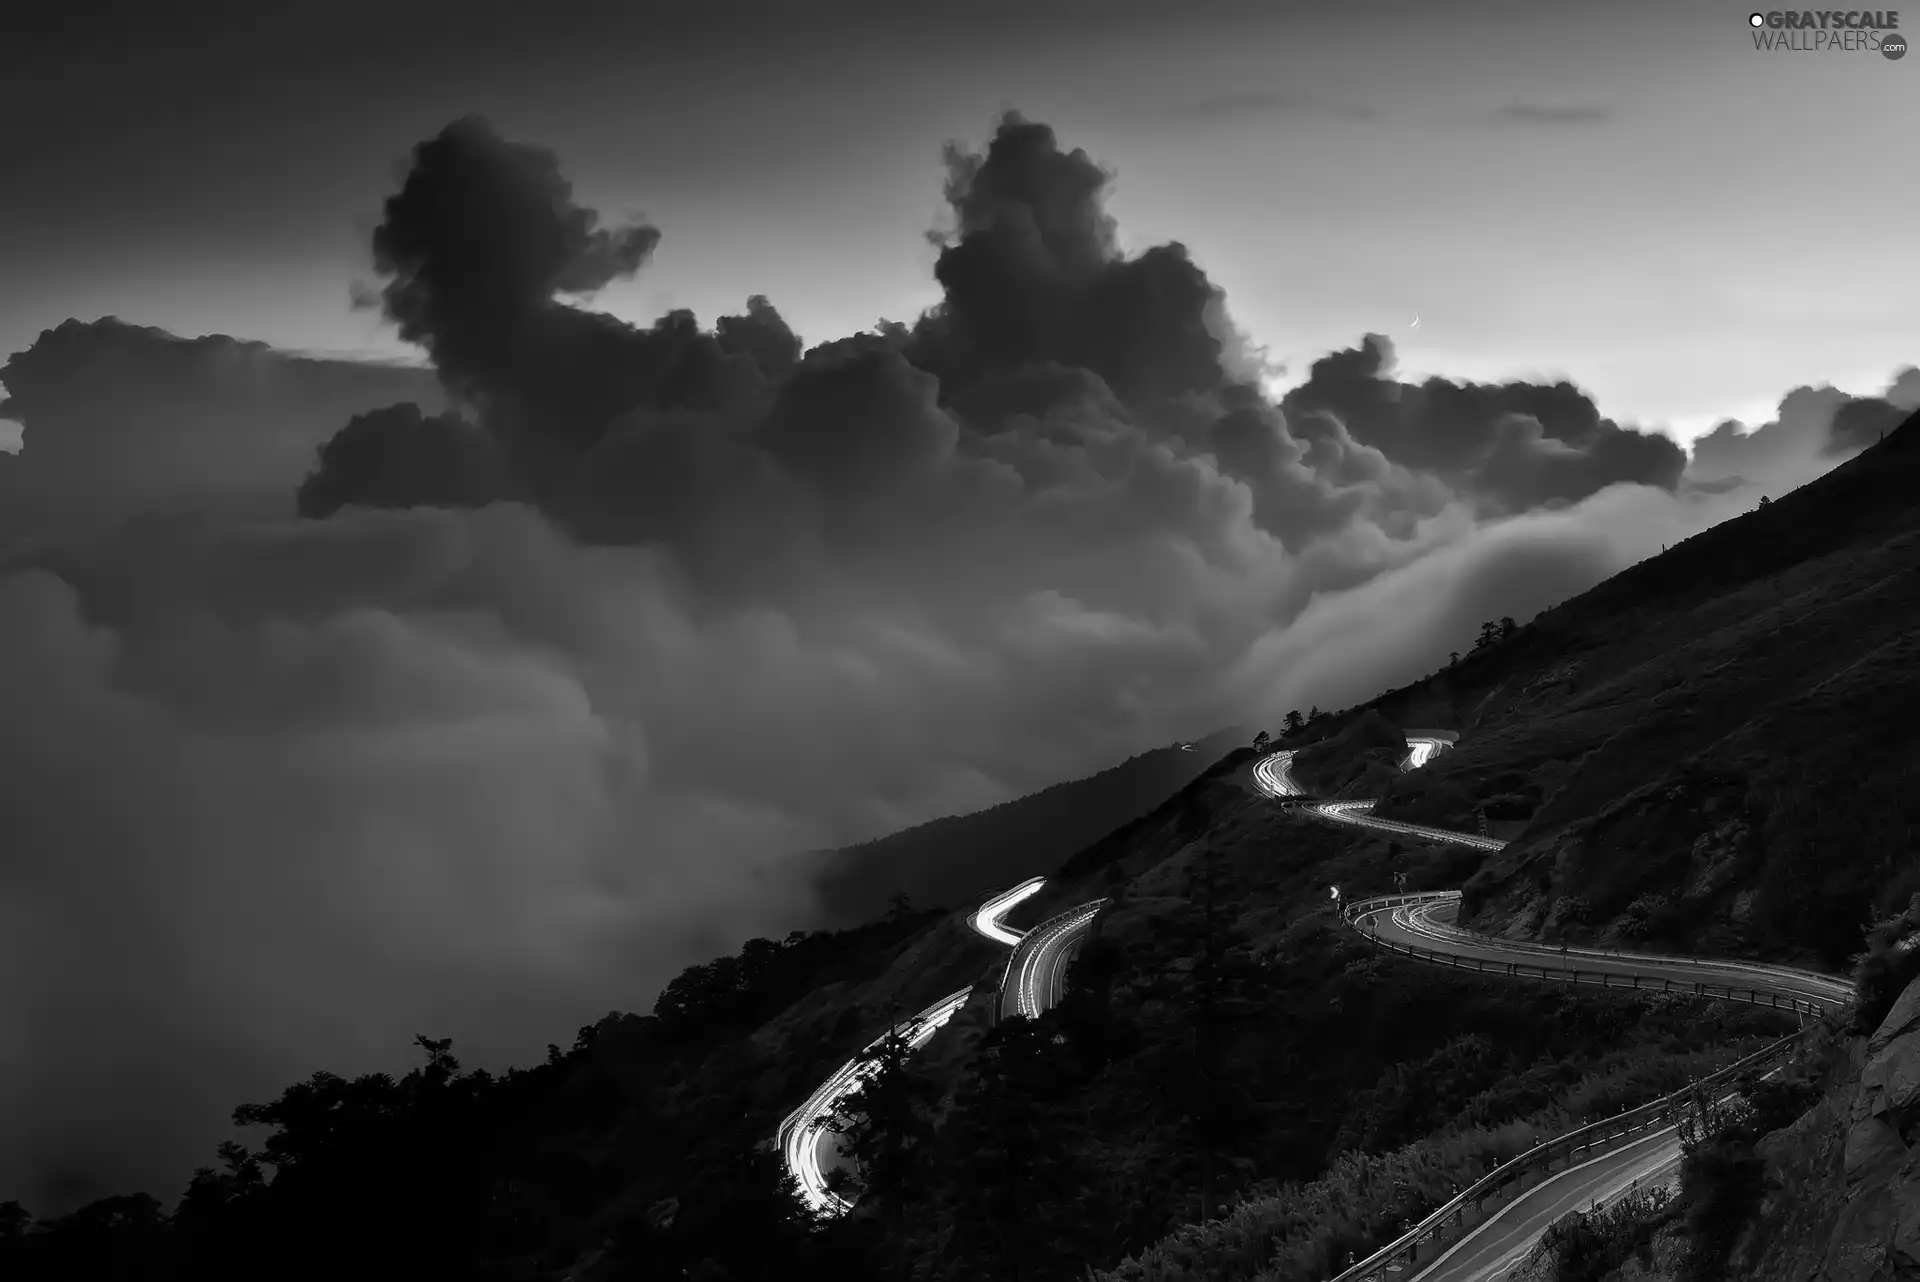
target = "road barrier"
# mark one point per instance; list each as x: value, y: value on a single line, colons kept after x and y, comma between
x: 1333, y: 810
x: 1839, y: 988
x: 1474, y: 1205
x: 1035, y: 938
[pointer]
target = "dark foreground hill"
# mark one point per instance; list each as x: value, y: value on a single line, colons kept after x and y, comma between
x: 957, y: 860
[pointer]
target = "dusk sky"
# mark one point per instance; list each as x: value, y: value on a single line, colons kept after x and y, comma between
x: 1629, y: 194
x: 343, y: 700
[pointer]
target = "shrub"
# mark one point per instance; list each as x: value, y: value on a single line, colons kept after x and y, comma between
x: 1587, y: 1245
x: 1891, y: 962
x: 1721, y: 1181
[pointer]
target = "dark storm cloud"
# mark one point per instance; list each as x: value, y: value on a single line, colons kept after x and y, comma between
x: 1524, y: 113
x: 1032, y: 272
x: 1508, y: 446
x: 117, y: 417
x: 399, y: 457
x: 477, y: 244
x: 429, y: 762
x: 107, y: 405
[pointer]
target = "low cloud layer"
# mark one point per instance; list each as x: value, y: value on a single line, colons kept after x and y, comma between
x: 527, y: 689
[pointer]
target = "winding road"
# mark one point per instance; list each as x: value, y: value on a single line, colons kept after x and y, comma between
x: 1420, y: 926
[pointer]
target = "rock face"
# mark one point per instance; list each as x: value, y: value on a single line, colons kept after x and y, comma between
x: 1844, y: 1201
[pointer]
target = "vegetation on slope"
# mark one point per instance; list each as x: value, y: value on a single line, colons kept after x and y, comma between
x: 1711, y: 751
x: 1362, y: 760
x: 1225, y: 1043
x: 955, y: 861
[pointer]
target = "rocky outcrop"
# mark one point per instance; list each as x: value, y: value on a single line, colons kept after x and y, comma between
x: 1844, y: 1198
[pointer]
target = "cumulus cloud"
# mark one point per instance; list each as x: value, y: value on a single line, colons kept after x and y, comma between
x: 535, y: 681
x: 117, y: 418
x: 1508, y: 447
x: 1814, y: 428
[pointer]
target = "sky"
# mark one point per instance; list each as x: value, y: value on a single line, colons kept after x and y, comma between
x: 1629, y: 194
x: 470, y: 660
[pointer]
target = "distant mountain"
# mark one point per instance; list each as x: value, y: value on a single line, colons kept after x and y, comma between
x: 956, y: 860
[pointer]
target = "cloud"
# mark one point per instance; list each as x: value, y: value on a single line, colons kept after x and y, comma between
x: 1505, y: 447
x: 116, y: 418
x: 1814, y: 428
x: 583, y: 638
x: 1525, y: 113
x: 1264, y: 102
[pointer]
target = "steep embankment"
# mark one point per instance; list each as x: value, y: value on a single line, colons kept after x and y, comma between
x: 1843, y: 1197
x: 1713, y: 747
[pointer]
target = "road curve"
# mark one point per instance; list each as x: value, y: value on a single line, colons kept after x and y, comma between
x: 1037, y: 972
x: 1428, y: 924
x: 1489, y: 1251
x: 1040, y: 957
x: 1035, y: 976
x: 802, y: 1132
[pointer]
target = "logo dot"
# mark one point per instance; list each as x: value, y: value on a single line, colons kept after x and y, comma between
x: 1893, y: 46
x: 1756, y: 20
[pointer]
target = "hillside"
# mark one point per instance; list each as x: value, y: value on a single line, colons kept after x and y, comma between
x: 1713, y: 748
x: 955, y: 861
x: 1360, y: 760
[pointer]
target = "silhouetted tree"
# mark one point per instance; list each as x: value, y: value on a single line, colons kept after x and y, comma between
x: 1218, y: 1105
x: 1453, y: 657
x: 886, y: 1127
x: 1017, y: 1185
x: 1507, y: 627
x: 899, y: 904
x: 1261, y: 741
x: 1295, y: 721
x: 1489, y: 633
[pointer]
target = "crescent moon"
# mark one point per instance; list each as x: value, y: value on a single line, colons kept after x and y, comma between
x: 1416, y: 321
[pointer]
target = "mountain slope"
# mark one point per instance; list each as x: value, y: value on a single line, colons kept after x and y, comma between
x: 1713, y: 747
x: 957, y: 860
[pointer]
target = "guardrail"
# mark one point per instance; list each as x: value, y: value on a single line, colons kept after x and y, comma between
x: 1360, y: 908
x: 1475, y: 1204
x: 1333, y: 811
x: 1034, y: 938
x: 1472, y: 1206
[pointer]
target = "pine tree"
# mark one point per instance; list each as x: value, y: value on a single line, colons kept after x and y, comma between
x: 886, y: 1127
x: 1018, y: 1185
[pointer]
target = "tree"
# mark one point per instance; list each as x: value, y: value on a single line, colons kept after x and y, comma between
x: 1453, y: 657
x: 1314, y: 715
x: 1295, y: 721
x: 1489, y: 633
x: 899, y: 905
x: 886, y: 1127
x: 1764, y: 500
x: 1017, y: 1185
x: 1219, y: 1116
x: 1508, y: 627
x: 1261, y: 741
